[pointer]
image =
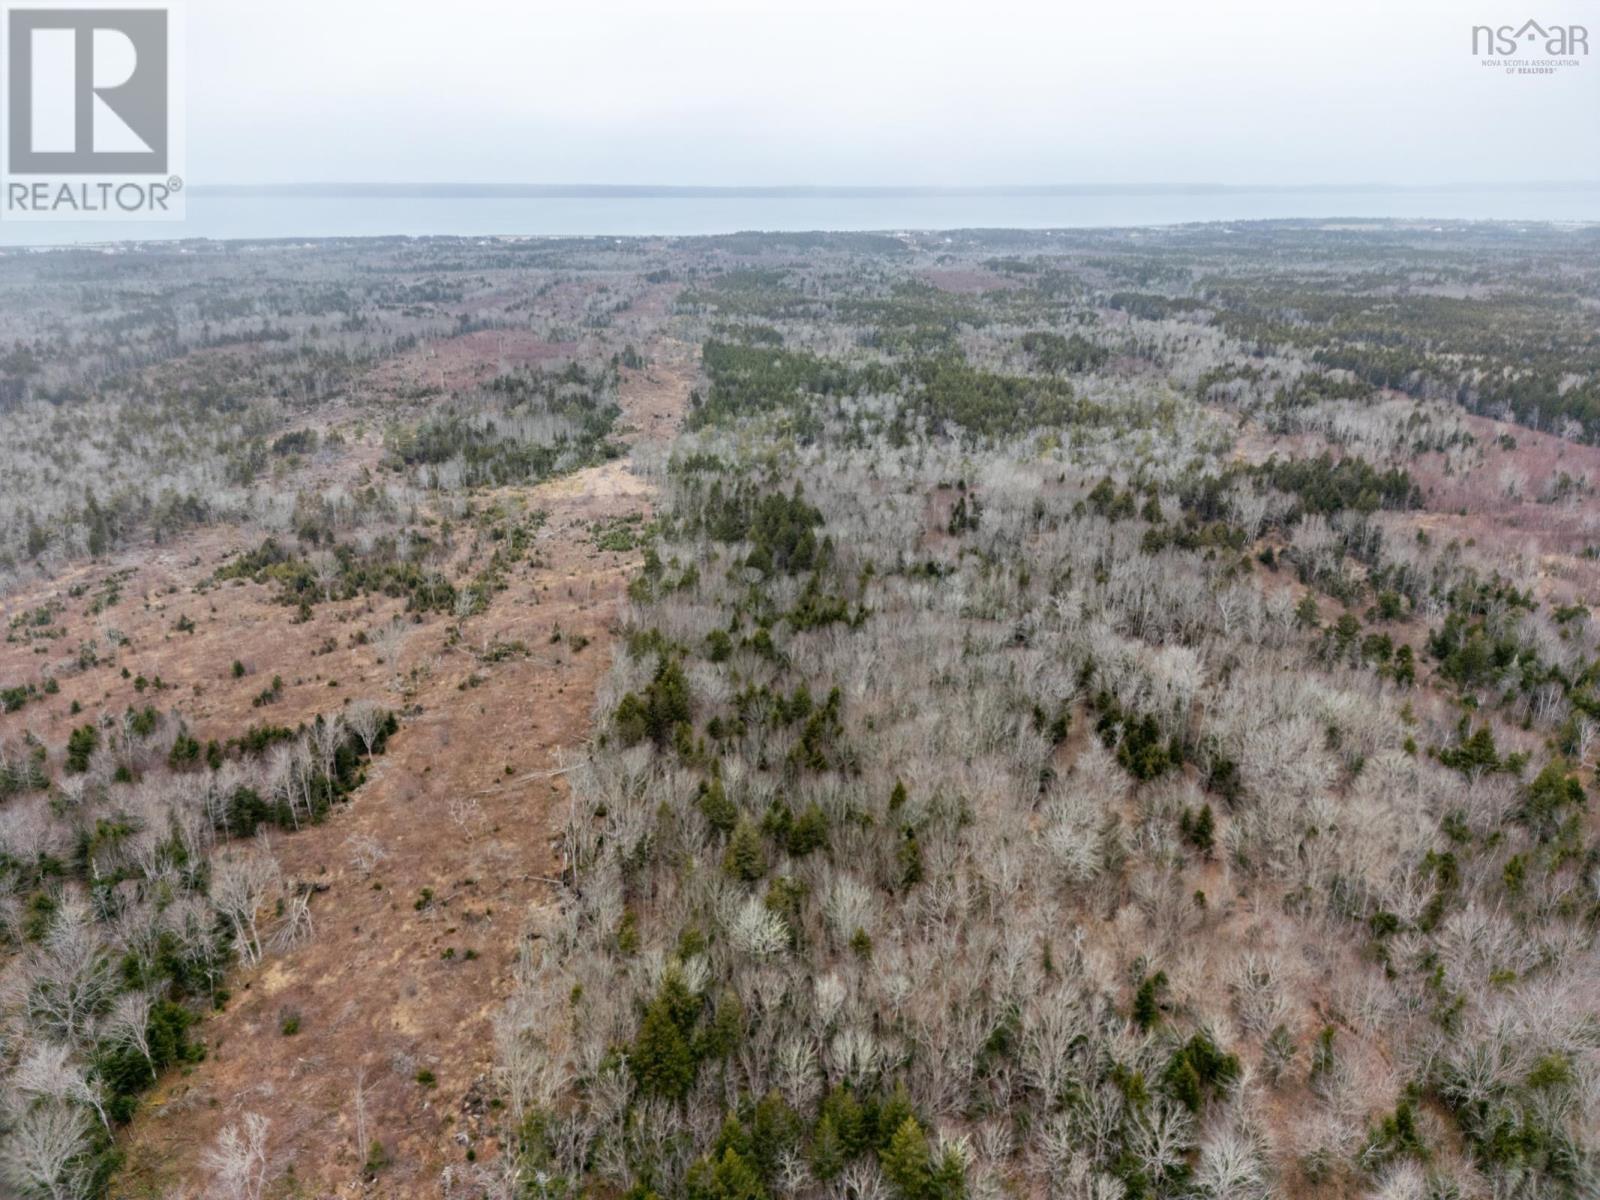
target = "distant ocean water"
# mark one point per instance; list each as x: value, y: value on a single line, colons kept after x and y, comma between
x: 245, y: 214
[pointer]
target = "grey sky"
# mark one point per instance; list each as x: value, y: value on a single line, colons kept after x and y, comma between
x: 879, y: 91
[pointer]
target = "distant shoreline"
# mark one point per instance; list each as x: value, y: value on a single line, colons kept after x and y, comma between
x: 313, y: 212
x: 601, y: 191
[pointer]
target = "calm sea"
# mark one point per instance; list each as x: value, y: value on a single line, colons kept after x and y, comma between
x: 294, y: 216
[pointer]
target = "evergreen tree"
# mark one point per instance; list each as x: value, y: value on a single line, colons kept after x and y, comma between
x: 828, y: 1153
x: 906, y: 1163
x: 721, y: 813
x: 729, y: 1177
x: 909, y: 858
x: 1147, y: 1000
x: 1305, y: 613
x: 662, y: 1058
x: 746, y: 856
x: 1198, y: 828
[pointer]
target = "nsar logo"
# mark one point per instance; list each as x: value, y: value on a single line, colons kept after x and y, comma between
x: 1531, y: 48
x: 93, y: 124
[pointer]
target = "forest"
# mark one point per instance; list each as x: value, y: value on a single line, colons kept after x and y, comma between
x: 1099, y: 715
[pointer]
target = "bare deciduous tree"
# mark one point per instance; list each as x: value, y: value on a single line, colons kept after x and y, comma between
x: 237, y: 1160
x: 42, y: 1148
x: 240, y: 885
x: 390, y: 641
x: 47, y: 1072
x: 366, y: 852
x: 129, y: 1025
x: 325, y: 569
x: 295, y: 925
x: 359, y: 1113
x: 70, y: 976
x: 364, y: 719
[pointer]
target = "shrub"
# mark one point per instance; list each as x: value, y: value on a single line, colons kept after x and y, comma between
x: 81, y: 744
x: 1197, y: 1071
x: 1548, y: 799
x: 1198, y: 828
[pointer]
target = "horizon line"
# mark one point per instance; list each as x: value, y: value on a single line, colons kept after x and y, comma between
x: 643, y: 191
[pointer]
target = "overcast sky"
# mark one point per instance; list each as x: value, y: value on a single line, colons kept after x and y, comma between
x: 878, y: 92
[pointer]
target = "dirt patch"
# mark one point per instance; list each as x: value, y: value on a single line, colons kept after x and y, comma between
x: 441, y: 366
x: 969, y: 282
